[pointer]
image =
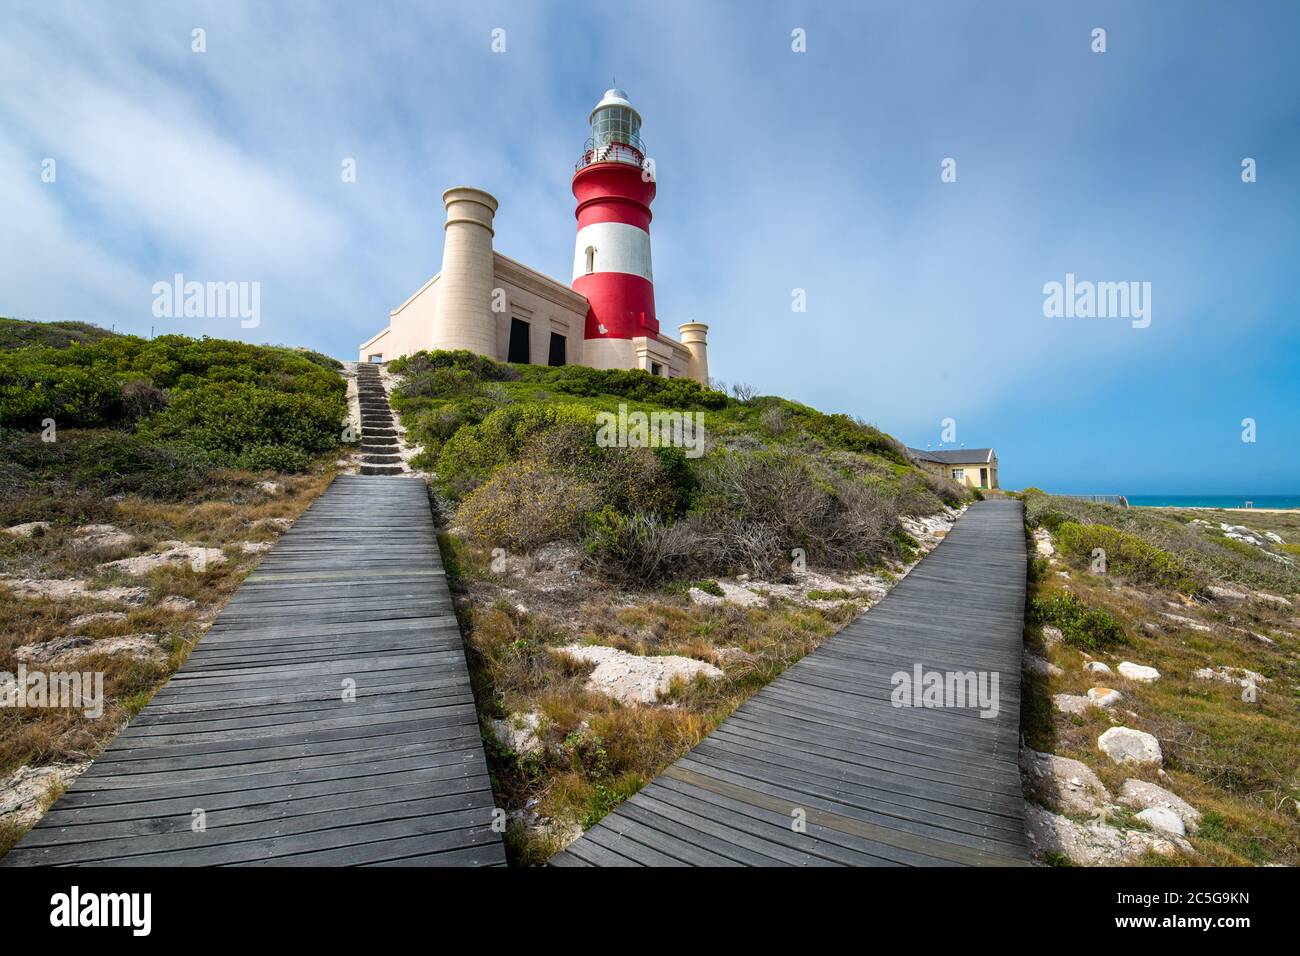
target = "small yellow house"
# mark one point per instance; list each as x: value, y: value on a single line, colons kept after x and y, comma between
x: 973, y: 467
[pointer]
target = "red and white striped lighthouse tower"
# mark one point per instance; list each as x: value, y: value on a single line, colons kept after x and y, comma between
x: 611, y: 259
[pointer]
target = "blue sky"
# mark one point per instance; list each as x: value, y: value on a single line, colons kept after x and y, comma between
x: 777, y: 170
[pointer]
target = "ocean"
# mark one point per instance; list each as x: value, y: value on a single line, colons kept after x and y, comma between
x: 1214, y: 501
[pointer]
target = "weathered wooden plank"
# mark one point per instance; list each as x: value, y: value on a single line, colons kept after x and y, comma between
x: 821, y: 768
x: 255, y: 729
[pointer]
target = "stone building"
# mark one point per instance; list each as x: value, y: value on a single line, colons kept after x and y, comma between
x: 492, y: 305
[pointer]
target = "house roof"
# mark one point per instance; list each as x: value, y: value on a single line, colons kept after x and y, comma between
x: 955, y: 456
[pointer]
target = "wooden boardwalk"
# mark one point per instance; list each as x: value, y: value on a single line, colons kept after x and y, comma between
x: 253, y: 736
x: 822, y: 748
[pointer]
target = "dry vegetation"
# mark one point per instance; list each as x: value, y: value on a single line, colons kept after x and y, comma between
x: 595, y: 751
x: 1233, y: 759
x: 115, y: 447
x: 234, y: 510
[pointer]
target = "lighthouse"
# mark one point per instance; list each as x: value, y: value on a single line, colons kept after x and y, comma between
x: 611, y: 258
x: 490, y: 304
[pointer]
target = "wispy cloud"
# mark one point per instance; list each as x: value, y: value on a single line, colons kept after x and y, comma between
x: 777, y: 170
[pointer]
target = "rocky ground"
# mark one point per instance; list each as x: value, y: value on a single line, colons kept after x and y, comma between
x: 124, y: 599
x: 642, y: 676
x: 1146, y: 734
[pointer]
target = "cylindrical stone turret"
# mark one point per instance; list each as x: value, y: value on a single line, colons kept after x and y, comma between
x: 695, y: 336
x: 464, y: 319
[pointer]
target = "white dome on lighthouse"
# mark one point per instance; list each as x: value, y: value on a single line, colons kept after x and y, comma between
x: 617, y: 98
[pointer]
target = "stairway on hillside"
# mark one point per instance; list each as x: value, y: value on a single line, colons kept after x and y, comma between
x: 379, y: 444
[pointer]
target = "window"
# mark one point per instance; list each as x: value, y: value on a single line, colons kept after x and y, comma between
x: 959, y: 474
x: 519, y: 347
x: 656, y: 368
x: 376, y: 358
x: 615, y: 124
x: 591, y: 259
x: 558, y: 343
x: 984, y: 477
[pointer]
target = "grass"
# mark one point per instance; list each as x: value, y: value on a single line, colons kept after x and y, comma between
x: 518, y: 466
x: 1234, y: 761
x: 597, y: 751
x: 47, y: 736
x: 120, y: 457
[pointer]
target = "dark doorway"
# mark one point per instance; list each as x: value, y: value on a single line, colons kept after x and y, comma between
x: 557, y: 349
x: 656, y: 368
x: 984, y: 477
x: 519, y: 350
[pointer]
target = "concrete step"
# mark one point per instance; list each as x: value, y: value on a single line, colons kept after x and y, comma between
x: 381, y: 459
x: 381, y: 469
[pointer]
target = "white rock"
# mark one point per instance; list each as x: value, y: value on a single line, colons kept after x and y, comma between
x: 1226, y: 593
x: 1185, y: 621
x: 1089, y: 844
x: 177, y: 604
x: 1139, y: 793
x: 68, y: 590
x: 95, y: 618
x: 1103, y: 696
x: 518, y: 732
x: 270, y: 487
x: 24, y: 793
x: 102, y: 536
x: 1231, y: 675
x: 1043, y: 543
x: 1272, y: 599
x: 198, y: 558
x: 1070, y: 785
x: 1071, y: 703
x: 69, y: 650
x: 28, y: 529
x: 731, y: 594
x: 256, y: 547
x: 1138, y: 672
x: 1052, y: 636
x: 1125, y: 745
x: 1097, y: 667
x: 1166, y: 821
x: 631, y: 678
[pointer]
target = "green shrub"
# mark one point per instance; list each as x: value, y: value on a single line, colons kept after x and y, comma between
x: 17, y: 333
x: 32, y: 390
x: 272, y: 458
x: 633, y: 385
x: 234, y: 420
x: 654, y: 480
x: 476, y: 366
x: 105, y: 462
x: 1081, y: 626
x: 1126, y: 555
x: 473, y: 452
x: 81, y: 385
x: 524, y: 505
